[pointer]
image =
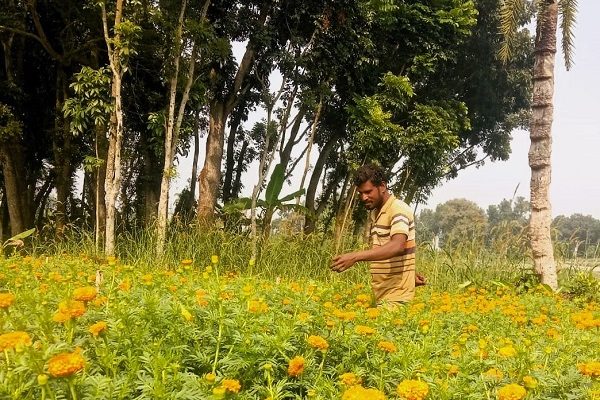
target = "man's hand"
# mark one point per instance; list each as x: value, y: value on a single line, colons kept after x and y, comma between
x: 343, y: 262
x: 420, y: 280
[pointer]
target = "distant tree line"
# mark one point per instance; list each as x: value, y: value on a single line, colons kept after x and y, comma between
x: 459, y: 220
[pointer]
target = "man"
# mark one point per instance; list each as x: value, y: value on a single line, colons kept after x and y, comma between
x: 392, y: 234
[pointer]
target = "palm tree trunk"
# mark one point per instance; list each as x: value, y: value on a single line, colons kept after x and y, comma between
x: 541, y: 144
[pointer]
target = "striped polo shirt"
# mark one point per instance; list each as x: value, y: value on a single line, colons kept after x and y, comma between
x: 393, y: 279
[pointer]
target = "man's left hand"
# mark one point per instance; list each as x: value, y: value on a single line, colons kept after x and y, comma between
x: 343, y: 262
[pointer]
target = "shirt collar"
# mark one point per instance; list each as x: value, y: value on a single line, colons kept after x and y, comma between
x: 375, y: 215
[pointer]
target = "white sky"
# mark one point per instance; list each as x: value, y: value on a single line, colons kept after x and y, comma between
x: 576, y: 134
x: 575, y: 184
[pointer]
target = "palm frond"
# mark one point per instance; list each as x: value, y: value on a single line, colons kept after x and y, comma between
x: 510, y: 13
x: 568, y: 11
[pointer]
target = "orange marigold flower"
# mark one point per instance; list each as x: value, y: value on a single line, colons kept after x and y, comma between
x: 61, y: 317
x: 317, y: 342
x: 86, y: 293
x: 373, y: 313
x: 387, y: 346
x: 66, y: 364
x: 257, y: 306
x: 14, y: 340
x: 358, y: 392
x: 231, y: 385
x: 410, y: 389
x: 364, y: 330
x: 350, y: 379
x: 186, y: 261
x: 6, y: 300
x: 125, y: 285
x: 100, y: 300
x: 296, y: 366
x: 97, y: 328
x: 512, y: 392
x: 73, y: 308
x: 591, y: 368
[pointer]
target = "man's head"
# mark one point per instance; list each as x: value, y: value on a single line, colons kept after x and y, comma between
x: 371, y: 185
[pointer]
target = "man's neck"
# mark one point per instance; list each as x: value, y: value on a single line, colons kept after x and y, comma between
x: 386, y: 197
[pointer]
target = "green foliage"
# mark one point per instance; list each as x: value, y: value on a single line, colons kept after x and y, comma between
x: 584, y: 286
x: 10, y: 125
x: 90, y: 106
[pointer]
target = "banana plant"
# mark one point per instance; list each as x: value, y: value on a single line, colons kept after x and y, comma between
x: 17, y: 240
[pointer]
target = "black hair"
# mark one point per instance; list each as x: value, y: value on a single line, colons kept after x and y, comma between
x: 369, y: 172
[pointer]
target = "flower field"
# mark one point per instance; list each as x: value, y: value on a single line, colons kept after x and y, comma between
x: 192, y: 331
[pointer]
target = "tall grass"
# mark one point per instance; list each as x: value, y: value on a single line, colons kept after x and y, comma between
x: 504, y: 259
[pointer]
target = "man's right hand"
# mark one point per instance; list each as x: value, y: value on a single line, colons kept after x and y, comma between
x: 343, y: 262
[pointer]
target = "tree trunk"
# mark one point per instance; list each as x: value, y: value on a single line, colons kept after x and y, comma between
x: 311, y: 140
x: 11, y: 158
x: 230, y: 161
x: 99, y: 191
x: 195, y: 160
x: 311, y: 191
x: 113, y: 162
x: 541, y: 145
x: 210, y: 176
x: 239, y: 170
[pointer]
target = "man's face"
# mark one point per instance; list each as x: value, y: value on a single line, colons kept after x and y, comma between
x: 371, y: 195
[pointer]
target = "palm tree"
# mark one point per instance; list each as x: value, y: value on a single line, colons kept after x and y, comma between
x: 540, y: 132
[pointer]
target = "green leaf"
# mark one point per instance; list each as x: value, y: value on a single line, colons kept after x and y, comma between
x: 465, y: 284
x: 275, y: 185
x: 292, y: 196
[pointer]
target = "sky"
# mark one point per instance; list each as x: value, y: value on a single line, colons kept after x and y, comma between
x: 575, y: 184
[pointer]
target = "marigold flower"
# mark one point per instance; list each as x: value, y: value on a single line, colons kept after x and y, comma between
x: 410, y: 389
x: 219, y: 392
x: 317, y: 342
x: 125, y: 285
x: 231, y: 385
x: 530, y: 382
x: 387, y: 346
x: 296, y: 366
x: 186, y: 261
x: 494, y: 373
x: 364, y: 330
x: 186, y: 314
x: 257, y: 306
x: 373, y: 313
x: 358, y: 392
x: 452, y: 369
x: 147, y: 279
x: 86, y: 293
x: 66, y: 364
x: 6, y: 300
x: 73, y: 308
x: 350, y: 379
x: 61, y: 317
x: 512, y: 391
x: 214, y: 259
x: 97, y: 328
x: 100, y: 300
x: 591, y: 368
x: 507, y: 351
x: 363, y: 298
x: 14, y: 340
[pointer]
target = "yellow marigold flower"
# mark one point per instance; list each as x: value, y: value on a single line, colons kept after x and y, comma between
x: 373, y: 313
x: 100, y: 300
x: 214, y: 259
x: 6, y: 300
x: 42, y: 379
x: 286, y: 301
x: 317, y: 342
x: 186, y: 261
x: 226, y: 295
x: 452, y: 369
x: 147, y: 279
x: 296, y: 366
x: 219, y: 392
x: 66, y: 364
x: 350, y: 379
x: 86, y: 293
x: 494, y: 373
x: 363, y: 298
x: 14, y: 340
x: 231, y: 385
x: 210, y: 377
x: 364, y: 330
x: 553, y: 333
x: 344, y: 315
x: 507, y: 351
x: 412, y: 390
x: 530, y: 382
x: 591, y: 368
x: 512, y: 392
x: 387, y: 346
x: 358, y: 392
x: 186, y: 314
x: 97, y: 328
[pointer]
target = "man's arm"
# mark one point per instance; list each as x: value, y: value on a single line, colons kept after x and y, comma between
x: 391, y: 249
